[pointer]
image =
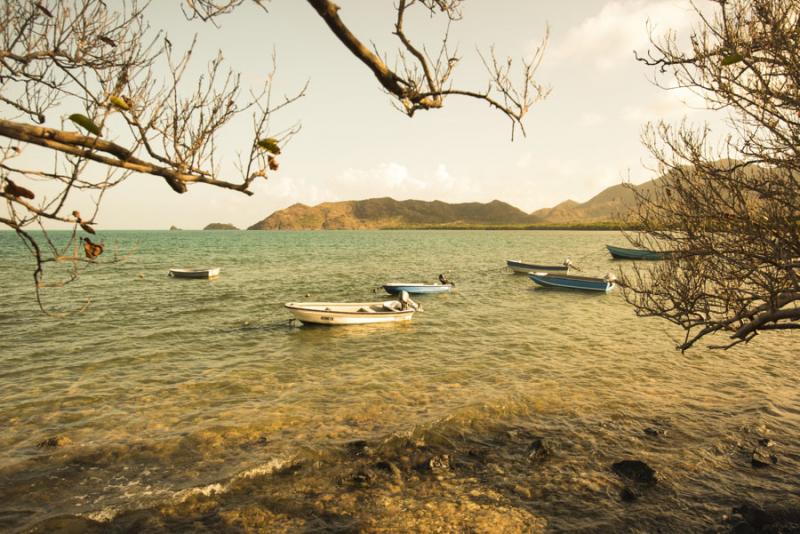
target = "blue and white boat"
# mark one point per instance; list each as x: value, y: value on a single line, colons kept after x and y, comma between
x: 519, y: 266
x: 395, y: 288
x: 571, y: 281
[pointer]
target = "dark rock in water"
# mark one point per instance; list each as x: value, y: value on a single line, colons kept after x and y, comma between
x: 655, y: 432
x: 357, y: 448
x: 480, y: 456
x: 635, y: 471
x: 262, y: 441
x: 68, y: 524
x: 763, y: 457
x: 538, y: 449
x: 753, y: 518
x: 628, y: 495
x: 766, y: 442
x: 55, y: 441
x: 389, y: 467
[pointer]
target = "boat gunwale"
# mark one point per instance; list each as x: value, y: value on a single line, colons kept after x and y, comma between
x: 289, y: 306
x: 417, y: 284
x: 572, y: 277
x: 520, y: 263
x: 624, y: 253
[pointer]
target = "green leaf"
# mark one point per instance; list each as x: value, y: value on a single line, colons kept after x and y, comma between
x: 270, y: 145
x: 730, y: 59
x: 85, y: 122
x: 119, y: 102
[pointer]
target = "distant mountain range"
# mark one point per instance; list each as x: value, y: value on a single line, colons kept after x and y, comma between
x: 605, y: 209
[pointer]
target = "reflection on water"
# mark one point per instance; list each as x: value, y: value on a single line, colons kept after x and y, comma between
x: 196, y: 405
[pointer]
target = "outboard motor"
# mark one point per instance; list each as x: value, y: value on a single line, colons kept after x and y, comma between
x: 569, y: 265
x: 406, y: 302
x: 444, y: 281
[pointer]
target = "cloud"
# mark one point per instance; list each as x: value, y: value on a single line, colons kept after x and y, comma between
x: 609, y: 38
x: 391, y: 179
x: 666, y: 106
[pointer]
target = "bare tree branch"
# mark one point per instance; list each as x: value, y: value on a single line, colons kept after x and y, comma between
x: 424, y: 84
x: 728, y: 214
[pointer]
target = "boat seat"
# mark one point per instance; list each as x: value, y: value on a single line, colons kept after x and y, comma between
x: 366, y: 310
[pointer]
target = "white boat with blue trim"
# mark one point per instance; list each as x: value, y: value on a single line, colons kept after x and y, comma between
x: 350, y: 313
x: 571, y: 281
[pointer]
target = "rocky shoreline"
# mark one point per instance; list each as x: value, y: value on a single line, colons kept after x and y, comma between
x: 432, y: 482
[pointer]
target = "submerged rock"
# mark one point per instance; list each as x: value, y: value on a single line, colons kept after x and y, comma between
x: 762, y: 457
x: 539, y: 449
x: 55, y: 441
x: 628, y: 494
x: 357, y: 448
x: 750, y: 517
x: 389, y: 467
x: 635, y: 471
x: 68, y: 524
x: 766, y: 442
x: 655, y: 432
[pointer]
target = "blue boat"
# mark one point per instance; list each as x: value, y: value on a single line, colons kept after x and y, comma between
x: 620, y: 253
x: 571, y: 281
x: 521, y: 267
x: 416, y: 289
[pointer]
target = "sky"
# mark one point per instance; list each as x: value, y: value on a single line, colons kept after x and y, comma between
x: 353, y: 144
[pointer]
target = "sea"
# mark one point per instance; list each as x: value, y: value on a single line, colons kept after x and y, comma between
x: 200, y: 406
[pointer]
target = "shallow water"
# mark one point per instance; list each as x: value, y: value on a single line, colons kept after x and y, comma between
x: 196, y: 405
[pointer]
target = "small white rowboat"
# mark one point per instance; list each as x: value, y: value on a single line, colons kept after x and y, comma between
x: 346, y: 313
x: 195, y: 273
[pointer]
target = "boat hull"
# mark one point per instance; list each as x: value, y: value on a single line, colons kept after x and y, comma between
x: 620, y: 253
x: 330, y: 313
x: 416, y: 289
x: 195, y: 273
x: 527, y: 268
x: 578, y: 283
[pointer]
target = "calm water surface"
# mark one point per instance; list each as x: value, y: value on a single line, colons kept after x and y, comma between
x: 196, y: 405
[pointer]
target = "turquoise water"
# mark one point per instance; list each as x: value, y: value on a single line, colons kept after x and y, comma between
x: 197, y: 405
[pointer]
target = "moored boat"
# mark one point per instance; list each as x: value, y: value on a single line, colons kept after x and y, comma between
x: 519, y: 266
x: 620, y: 253
x: 395, y: 288
x: 195, y: 273
x: 350, y: 313
x: 571, y: 281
